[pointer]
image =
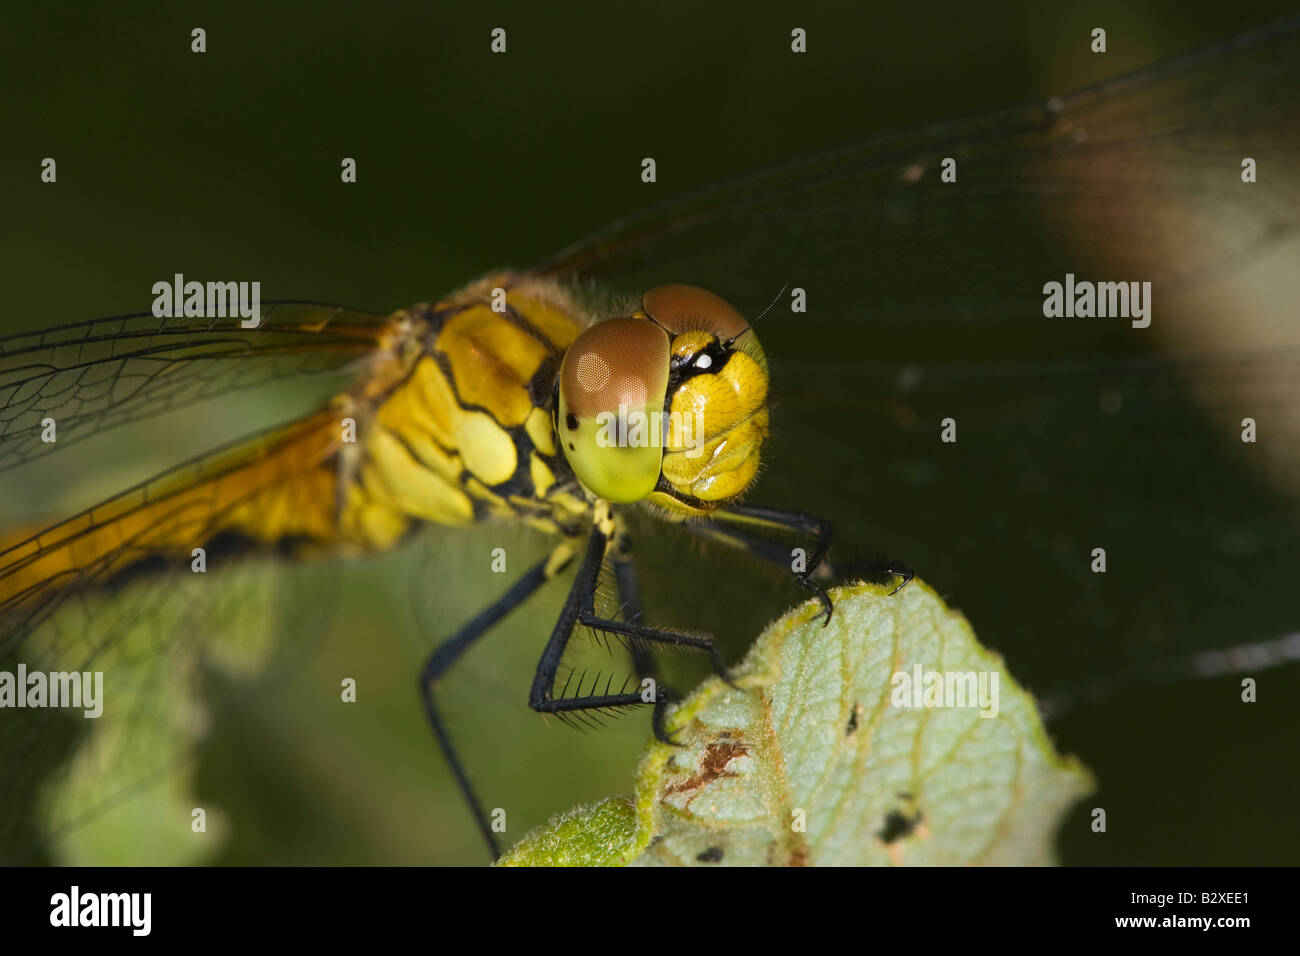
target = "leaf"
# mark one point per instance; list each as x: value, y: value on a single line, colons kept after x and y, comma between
x: 127, y: 792
x: 818, y: 756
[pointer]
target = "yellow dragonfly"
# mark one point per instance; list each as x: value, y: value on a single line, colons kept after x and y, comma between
x: 526, y: 397
x: 507, y: 400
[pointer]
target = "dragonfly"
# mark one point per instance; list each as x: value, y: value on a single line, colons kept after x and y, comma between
x: 909, y: 312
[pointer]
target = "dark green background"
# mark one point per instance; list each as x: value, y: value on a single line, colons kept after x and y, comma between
x: 226, y: 165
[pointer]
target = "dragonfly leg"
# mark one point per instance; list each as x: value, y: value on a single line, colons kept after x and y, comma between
x: 794, y: 522
x: 449, y: 651
x: 737, y: 526
x: 877, y: 571
x: 798, y: 523
x: 629, y: 595
x: 579, y: 609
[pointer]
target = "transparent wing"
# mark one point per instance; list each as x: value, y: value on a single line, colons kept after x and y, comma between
x: 1140, y: 174
x: 115, y: 592
x: 1050, y: 464
x: 112, y: 590
x: 925, y: 304
x: 93, y: 376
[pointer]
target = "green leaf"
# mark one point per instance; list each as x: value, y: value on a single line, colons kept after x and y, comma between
x: 821, y: 756
x: 128, y: 791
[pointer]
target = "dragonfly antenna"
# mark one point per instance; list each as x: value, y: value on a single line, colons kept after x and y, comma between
x: 770, y: 304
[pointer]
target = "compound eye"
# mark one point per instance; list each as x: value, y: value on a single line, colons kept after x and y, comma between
x: 687, y: 308
x: 613, y: 383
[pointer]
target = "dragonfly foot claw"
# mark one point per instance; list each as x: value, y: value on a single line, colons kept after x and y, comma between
x: 819, y: 592
x: 901, y: 571
x: 661, y: 732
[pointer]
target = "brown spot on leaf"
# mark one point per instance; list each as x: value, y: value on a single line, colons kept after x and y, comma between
x: 714, y: 765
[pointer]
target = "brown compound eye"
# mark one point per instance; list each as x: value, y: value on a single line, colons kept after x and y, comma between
x: 686, y: 308
x: 616, y: 362
x: 615, y: 374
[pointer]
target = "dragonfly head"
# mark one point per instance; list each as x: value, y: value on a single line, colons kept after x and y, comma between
x: 668, y: 405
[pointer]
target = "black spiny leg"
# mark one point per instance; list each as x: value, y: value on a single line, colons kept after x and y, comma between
x: 737, y: 525
x: 579, y: 609
x: 447, y: 653
x: 732, y: 526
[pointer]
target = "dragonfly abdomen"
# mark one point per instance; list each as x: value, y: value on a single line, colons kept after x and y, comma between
x: 273, y: 488
x: 450, y: 424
